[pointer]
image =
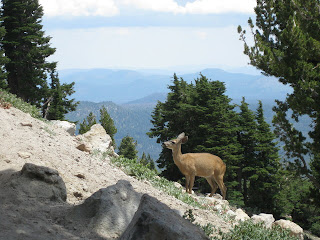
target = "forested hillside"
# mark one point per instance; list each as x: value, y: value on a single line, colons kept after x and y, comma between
x: 134, y: 119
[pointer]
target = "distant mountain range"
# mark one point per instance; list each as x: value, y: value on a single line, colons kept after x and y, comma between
x: 130, y: 97
x: 127, y: 86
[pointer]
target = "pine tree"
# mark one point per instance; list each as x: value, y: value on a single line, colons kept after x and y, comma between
x: 247, y: 137
x: 287, y: 45
x: 107, y: 123
x: 147, y: 161
x: 168, y: 121
x: 267, y: 171
x: 27, y: 49
x: 87, y: 123
x: 57, y: 104
x: 127, y: 148
x: 202, y: 111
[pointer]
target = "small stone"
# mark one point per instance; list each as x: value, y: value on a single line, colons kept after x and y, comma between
x: 77, y: 194
x: 26, y: 124
x: 80, y: 175
x: 24, y: 155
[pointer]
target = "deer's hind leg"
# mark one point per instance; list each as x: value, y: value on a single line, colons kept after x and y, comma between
x: 223, y: 189
x: 213, y: 185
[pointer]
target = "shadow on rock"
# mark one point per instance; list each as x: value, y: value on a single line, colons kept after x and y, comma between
x: 156, y: 221
x: 33, y: 206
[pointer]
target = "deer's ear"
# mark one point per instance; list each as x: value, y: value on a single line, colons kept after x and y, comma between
x: 184, y: 140
x: 181, y: 135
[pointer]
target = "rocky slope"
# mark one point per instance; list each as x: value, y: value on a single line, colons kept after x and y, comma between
x: 56, y: 186
x: 28, y: 140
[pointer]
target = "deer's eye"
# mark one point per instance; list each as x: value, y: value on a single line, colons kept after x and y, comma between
x: 173, y: 142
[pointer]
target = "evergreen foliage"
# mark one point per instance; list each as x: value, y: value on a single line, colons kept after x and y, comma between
x: 287, y: 45
x: 267, y: 170
x: 147, y: 161
x: 87, y: 123
x: 57, y: 104
x: 243, y: 140
x: 247, y: 137
x: 3, y: 60
x: 127, y: 148
x: 27, y: 48
x: 107, y: 123
x: 202, y: 111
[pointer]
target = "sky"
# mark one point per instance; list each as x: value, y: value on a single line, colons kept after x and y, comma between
x: 147, y: 34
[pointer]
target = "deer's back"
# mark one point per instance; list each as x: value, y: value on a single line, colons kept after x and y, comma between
x: 204, y: 164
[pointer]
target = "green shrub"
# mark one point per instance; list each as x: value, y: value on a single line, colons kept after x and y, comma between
x: 249, y: 231
x: 19, y: 103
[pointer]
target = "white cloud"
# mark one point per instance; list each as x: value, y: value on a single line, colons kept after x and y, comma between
x: 218, y: 6
x: 194, y: 7
x: 155, y: 5
x: 113, y: 7
x: 79, y: 7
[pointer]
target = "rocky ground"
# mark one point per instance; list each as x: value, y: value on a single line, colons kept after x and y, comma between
x: 24, y: 139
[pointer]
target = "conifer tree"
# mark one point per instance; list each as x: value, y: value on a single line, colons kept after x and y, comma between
x: 266, y: 175
x: 107, y: 123
x: 57, y: 104
x: 247, y: 137
x: 127, y: 148
x: 202, y: 111
x: 287, y: 46
x: 147, y: 161
x: 87, y: 123
x: 27, y: 49
x: 168, y: 121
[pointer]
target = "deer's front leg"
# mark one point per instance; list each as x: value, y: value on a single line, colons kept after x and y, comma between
x: 187, y: 183
x: 192, y: 177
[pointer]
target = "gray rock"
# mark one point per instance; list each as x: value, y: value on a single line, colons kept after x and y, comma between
x: 108, y: 211
x: 95, y: 139
x: 41, y: 183
x: 294, y: 228
x: 67, y: 126
x: 156, y: 221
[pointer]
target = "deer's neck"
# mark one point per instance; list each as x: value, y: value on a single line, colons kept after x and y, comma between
x: 177, y: 155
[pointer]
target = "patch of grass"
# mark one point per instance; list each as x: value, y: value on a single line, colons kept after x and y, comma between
x: 142, y: 172
x: 18, y: 103
x: 250, y: 231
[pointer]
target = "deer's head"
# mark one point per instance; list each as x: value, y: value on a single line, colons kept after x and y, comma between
x: 172, y: 144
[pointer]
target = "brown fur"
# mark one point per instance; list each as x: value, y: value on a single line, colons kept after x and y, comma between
x: 205, y: 165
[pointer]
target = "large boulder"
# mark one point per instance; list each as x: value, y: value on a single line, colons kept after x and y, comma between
x: 40, y: 183
x: 241, y: 215
x: 266, y: 219
x: 294, y: 228
x: 156, y: 221
x: 95, y: 139
x: 67, y: 126
x: 108, y: 211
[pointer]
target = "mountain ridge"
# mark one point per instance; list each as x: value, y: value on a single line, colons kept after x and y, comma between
x: 123, y: 86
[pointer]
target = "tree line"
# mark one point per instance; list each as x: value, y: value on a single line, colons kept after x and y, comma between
x: 242, y: 139
x: 24, y: 68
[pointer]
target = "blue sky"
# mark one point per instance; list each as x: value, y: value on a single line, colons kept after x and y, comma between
x: 147, y: 34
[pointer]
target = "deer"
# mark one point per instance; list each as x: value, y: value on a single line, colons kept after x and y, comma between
x: 206, y: 165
